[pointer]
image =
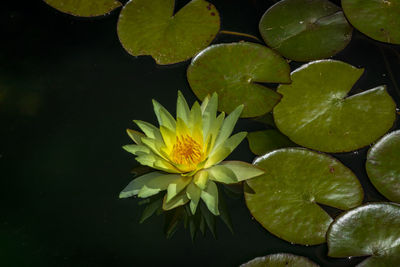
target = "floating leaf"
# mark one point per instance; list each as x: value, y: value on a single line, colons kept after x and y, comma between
x: 285, y: 198
x: 261, y: 142
x: 280, y: 260
x: 316, y: 111
x: 370, y: 230
x: 383, y: 166
x: 305, y: 30
x: 84, y: 8
x: 150, y: 28
x: 234, y: 71
x: 379, y: 20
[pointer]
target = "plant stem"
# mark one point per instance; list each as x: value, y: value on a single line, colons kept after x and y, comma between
x: 240, y: 34
x: 389, y: 69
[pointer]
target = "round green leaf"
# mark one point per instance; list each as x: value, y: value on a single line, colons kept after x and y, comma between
x: 280, y: 260
x: 261, y: 142
x: 305, y: 30
x: 84, y: 8
x: 316, y: 111
x: 150, y: 28
x: 379, y: 20
x: 370, y: 230
x: 285, y: 198
x: 234, y: 71
x: 383, y: 166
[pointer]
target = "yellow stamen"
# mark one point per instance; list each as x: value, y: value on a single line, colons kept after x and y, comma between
x: 186, y: 151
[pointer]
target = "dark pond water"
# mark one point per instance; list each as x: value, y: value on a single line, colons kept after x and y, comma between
x: 68, y: 91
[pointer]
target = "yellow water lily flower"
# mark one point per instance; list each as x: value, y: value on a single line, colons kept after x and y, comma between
x: 189, y: 154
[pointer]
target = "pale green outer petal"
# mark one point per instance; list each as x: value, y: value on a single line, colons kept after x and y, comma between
x: 148, y: 129
x: 221, y: 152
x: 155, y: 185
x: 210, y: 197
x: 136, y: 184
x: 193, y: 192
x: 182, y: 108
x: 204, y: 103
x: 179, y: 200
x: 242, y: 170
x: 222, y: 174
x: 148, y: 192
x: 176, y: 186
x: 201, y: 179
x: 209, y: 111
x: 163, y: 116
x: 136, y: 148
x: 135, y: 136
x: 195, y: 115
x: 214, y: 130
x: 155, y: 145
x: 228, y: 125
x: 155, y: 162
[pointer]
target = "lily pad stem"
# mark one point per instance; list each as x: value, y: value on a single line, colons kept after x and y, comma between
x: 241, y: 34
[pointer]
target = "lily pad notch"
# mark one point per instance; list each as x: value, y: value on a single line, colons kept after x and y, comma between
x: 235, y: 71
x: 370, y: 230
x: 285, y: 199
x: 316, y: 111
x: 151, y: 28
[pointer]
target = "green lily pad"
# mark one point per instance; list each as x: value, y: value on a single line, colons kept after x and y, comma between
x: 383, y: 166
x: 151, y: 28
x: 316, y: 111
x: 379, y: 20
x: 280, y: 260
x: 305, y: 30
x: 285, y: 197
x: 370, y: 230
x: 234, y: 71
x: 261, y: 142
x: 84, y: 8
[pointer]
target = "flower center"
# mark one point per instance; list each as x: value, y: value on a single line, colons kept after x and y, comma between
x: 186, y: 151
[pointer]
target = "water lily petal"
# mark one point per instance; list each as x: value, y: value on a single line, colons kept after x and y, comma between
x: 136, y: 184
x: 163, y: 116
x: 222, y: 174
x: 213, y: 133
x: 179, y: 200
x: 148, y: 192
x: 193, y: 192
x: 182, y: 128
x: 210, y: 197
x: 169, y: 137
x: 176, y: 186
x: 242, y: 170
x: 209, y: 113
x: 196, y: 118
x: 136, y: 148
x: 204, y: 103
x: 182, y: 108
x: 228, y: 125
x: 155, y: 146
x: 135, y: 136
x: 149, y: 130
x: 223, y: 150
x: 156, y: 162
x: 201, y: 179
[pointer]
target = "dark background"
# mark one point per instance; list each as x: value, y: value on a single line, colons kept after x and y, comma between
x: 68, y: 91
